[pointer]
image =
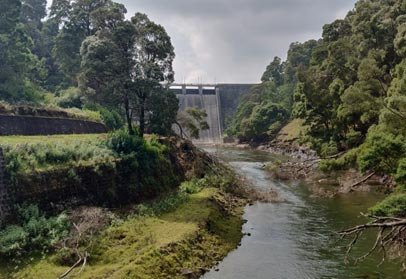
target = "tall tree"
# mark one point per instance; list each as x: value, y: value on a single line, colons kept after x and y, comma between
x: 152, y: 62
x: 274, y: 72
x: 125, y: 62
x: 75, y: 29
x: 15, y: 55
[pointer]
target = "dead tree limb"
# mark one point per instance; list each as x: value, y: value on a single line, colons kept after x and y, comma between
x: 361, y: 181
x: 391, y: 230
x: 70, y: 269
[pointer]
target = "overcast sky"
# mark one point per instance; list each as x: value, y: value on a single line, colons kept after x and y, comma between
x: 234, y: 40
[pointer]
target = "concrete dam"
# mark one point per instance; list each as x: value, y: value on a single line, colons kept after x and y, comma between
x: 220, y: 102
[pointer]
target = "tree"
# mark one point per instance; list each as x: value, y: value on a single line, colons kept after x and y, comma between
x: 107, y: 69
x: 125, y: 61
x: 274, y: 72
x: 15, y: 55
x: 162, y: 109
x: 77, y: 26
x: 152, y: 62
x: 193, y: 120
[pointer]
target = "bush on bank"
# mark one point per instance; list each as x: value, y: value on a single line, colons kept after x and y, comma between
x: 32, y: 232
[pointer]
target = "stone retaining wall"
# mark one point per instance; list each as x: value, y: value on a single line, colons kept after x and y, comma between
x: 33, y: 125
x: 4, y: 191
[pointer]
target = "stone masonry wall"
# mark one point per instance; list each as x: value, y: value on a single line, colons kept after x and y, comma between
x: 4, y: 193
x: 33, y: 125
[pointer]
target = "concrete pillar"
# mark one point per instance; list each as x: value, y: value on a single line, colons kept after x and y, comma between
x: 200, y: 89
x: 184, y: 89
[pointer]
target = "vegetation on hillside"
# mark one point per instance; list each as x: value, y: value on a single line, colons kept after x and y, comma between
x: 349, y: 88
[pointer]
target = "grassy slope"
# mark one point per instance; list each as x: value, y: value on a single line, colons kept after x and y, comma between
x: 194, y: 236
x: 292, y: 131
x: 49, y: 139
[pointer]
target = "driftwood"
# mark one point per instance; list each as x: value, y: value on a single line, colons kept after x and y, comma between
x: 71, y: 268
x: 82, y: 257
x: 361, y: 181
x: 326, y: 158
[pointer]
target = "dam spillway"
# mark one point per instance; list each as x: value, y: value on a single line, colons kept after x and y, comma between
x: 220, y: 102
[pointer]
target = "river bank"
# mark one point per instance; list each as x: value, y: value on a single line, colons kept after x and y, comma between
x: 298, y: 162
x: 189, y: 236
x: 179, y: 233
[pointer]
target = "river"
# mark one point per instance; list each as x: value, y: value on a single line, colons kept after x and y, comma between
x: 296, y: 238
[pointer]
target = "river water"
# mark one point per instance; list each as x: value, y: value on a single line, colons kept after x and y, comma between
x: 296, y: 239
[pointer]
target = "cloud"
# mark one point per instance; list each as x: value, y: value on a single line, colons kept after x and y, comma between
x: 234, y: 40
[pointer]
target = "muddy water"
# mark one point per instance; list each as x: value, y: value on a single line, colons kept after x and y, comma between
x: 296, y: 239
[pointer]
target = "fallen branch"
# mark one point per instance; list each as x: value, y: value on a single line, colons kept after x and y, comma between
x: 391, y: 231
x: 71, y: 268
x: 362, y: 181
x: 326, y: 158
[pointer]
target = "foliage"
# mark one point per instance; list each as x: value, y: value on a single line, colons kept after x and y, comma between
x: 264, y: 110
x: 125, y: 62
x: 193, y: 120
x: 392, y: 206
x: 381, y: 152
x: 401, y: 172
x: 355, y: 78
x: 110, y: 117
x: 30, y: 157
x: 34, y: 232
x: 123, y: 143
x: 162, y: 109
x: 165, y: 243
x: 346, y: 161
x: 70, y: 98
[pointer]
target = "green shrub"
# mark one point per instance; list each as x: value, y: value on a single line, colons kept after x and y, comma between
x: 382, y: 152
x: 191, y: 187
x: 328, y: 149
x: 401, y: 171
x: 353, y: 139
x: 70, y: 98
x: 164, y: 205
x: 30, y: 157
x: 123, y: 143
x: 34, y: 232
x: 348, y: 160
x: 393, y: 206
x: 111, y: 118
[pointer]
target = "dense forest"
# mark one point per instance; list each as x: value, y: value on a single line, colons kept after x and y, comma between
x: 85, y: 54
x: 349, y: 87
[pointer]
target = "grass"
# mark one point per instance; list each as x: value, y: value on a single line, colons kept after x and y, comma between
x: 15, y: 140
x: 193, y: 236
x: 292, y: 131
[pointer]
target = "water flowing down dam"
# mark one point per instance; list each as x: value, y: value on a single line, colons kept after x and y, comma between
x: 220, y: 102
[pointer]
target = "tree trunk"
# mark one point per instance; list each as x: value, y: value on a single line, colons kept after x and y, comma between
x: 142, y: 117
x: 180, y: 129
x: 128, y: 116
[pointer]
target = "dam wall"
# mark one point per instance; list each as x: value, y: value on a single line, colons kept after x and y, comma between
x: 220, y: 102
x: 209, y: 103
